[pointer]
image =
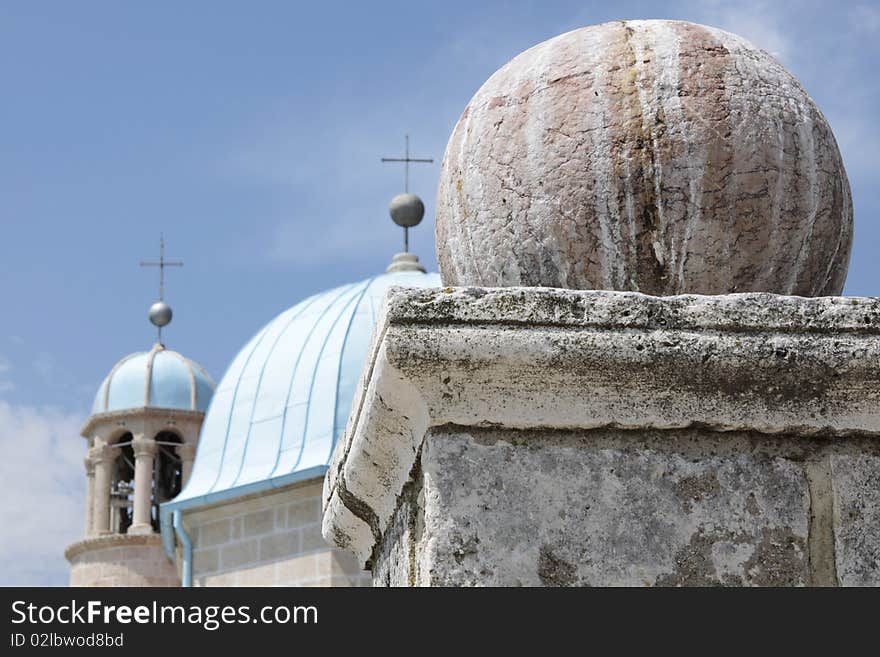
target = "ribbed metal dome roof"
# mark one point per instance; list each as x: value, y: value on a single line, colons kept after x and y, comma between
x: 158, y: 378
x: 285, y: 398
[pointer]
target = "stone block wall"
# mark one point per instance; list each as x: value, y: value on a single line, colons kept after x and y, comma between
x: 269, y: 539
x: 636, y: 508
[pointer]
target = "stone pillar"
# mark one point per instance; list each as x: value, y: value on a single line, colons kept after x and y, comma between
x: 102, y: 456
x: 187, y: 454
x: 89, y: 463
x: 536, y: 436
x: 144, y: 453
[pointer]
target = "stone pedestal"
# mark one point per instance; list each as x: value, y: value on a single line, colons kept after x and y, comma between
x: 120, y: 560
x: 532, y: 436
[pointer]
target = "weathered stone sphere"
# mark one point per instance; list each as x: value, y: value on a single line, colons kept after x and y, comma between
x: 656, y: 156
x: 406, y: 210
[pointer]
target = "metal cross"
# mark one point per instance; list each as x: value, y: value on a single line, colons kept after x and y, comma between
x: 406, y: 159
x: 161, y: 265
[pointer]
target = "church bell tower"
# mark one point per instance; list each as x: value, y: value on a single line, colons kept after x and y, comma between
x: 142, y: 435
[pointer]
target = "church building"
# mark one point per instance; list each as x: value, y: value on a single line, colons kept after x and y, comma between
x: 192, y: 484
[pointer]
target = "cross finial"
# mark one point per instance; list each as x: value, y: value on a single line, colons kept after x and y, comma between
x: 161, y: 264
x: 160, y: 312
x: 406, y: 159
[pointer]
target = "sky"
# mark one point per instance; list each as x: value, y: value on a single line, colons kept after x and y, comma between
x: 250, y: 134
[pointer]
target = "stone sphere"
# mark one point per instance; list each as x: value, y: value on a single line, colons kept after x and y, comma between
x: 160, y: 314
x: 406, y: 210
x: 655, y: 156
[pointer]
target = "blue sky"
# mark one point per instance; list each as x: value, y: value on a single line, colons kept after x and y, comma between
x: 250, y: 134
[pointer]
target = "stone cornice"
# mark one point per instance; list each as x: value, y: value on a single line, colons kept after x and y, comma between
x: 535, y: 306
x: 560, y: 359
x: 139, y: 414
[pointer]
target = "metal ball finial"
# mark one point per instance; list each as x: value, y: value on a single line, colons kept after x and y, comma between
x: 160, y: 314
x: 406, y: 210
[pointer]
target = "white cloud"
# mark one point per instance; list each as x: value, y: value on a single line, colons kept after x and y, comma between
x: 44, y: 482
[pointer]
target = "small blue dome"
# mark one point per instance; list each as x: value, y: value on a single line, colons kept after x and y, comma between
x: 285, y: 398
x: 158, y: 379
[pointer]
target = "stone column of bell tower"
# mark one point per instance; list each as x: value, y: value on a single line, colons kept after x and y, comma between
x: 641, y: 373
x: 144, y: 448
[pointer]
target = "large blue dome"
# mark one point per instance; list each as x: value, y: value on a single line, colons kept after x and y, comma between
x: 285, y: 398
x: 158, y: 378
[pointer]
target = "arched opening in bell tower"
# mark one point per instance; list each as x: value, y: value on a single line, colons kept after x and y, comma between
x: 167, y: 472
x: 122, y: 485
